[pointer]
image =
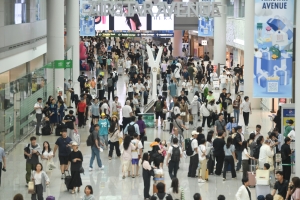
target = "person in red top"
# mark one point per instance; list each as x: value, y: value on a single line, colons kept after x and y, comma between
x: 81, y: 111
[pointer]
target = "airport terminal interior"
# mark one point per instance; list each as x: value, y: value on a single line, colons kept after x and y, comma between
x: 232, y: 64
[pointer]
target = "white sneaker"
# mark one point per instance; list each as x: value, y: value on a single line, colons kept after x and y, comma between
x: 90, y: 169
x: 62, y: 176
x: 102, y: 168
x: 201, y: 181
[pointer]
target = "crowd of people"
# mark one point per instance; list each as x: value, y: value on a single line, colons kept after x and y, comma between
x: 184, y: 100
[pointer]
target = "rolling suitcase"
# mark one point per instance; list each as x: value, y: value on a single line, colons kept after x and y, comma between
x: 166, y: 125
x: 251, y: 174
x: 68, y: 180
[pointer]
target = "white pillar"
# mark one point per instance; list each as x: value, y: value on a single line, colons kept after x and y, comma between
x: 55, y: 40
x: 297, y: 87
x: 249, y: 54
x: 177, y: 44
x: 220, y: 37
x: 73, y: 39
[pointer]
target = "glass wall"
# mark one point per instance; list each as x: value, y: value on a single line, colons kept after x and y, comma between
x: 241, y: 8
x: 24, y: 11
x: 230, y: 8
x: 16, y: 109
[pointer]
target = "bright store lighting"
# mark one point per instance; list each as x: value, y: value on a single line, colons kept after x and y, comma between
x: 239, y: 41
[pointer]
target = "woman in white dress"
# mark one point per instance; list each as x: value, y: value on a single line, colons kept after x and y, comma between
x: 229, y: 82
x: 46, y: 156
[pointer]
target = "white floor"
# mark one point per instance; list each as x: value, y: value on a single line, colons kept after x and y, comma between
x: 108, y: 184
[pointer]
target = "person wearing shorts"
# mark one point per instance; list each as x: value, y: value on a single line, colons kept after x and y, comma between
x: 136, y: 155
x: 63, y: 144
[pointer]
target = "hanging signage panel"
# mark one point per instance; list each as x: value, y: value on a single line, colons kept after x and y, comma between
x: 273, y: 39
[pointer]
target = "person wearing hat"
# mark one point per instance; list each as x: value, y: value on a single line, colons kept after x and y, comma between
x: 239, y: 138
x: 265, y: 153
x: 103, y: 132
x: 116, y: 107
x: 194, y: 158
x: 76, y: 160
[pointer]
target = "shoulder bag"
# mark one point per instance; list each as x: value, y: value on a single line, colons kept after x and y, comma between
x: 179, y: 126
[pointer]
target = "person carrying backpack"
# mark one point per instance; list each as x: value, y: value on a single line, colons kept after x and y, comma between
x: 132, y: 128
x: 191, y: 147
x: 256, y: 149
x: 173, y: 158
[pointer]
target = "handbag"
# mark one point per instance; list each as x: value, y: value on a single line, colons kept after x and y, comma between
x: 50, y: 164
x: 145, y: 138
x: 76, y: 137
x: 165, y: 111
x: 81, y: 170
x: 182, y: 114
x: 31, y: 187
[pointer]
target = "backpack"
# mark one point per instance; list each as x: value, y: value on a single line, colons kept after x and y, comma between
x: 188, y: 146
x: 132, y: 69
x: 157, y: 198
x: 165, y: 87
x: 256, y: 151
x: 90, y: 140
x: 109, y: 82
x: 175, y: 154
x: 158, y: 106
x: 27, y: 150
x: 116, y: 78
x: 131, y: 129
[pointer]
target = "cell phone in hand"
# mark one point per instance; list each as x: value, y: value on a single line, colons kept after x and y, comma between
x: 3, y: 169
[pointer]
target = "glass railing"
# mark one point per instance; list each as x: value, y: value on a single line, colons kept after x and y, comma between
x: 17, y: 99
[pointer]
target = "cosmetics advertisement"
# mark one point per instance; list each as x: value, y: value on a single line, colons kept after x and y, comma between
x: 161, y: 22
x: 102, y: 23
x: 86, y: 23
x: 273, y: 39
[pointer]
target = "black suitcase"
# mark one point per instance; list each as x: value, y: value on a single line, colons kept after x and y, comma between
x: 46, y: 130
x: 68, y: 180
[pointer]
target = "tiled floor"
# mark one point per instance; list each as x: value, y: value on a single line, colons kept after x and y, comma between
x: 108, y: 184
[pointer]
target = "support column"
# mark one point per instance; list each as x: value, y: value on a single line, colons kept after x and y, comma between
x: 177, y: 44
x: 249, y: 54
x: 73, y: 39
x: 297, y: 86
x: 219, y: 37
x: 55, y: 41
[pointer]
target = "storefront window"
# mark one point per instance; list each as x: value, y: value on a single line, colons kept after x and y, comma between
x: 230, y: 8
x: 242, y: 8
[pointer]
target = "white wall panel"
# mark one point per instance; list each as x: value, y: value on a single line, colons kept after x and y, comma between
x: 21, y: 58
x: 36, y: 63
x: 17, y: 72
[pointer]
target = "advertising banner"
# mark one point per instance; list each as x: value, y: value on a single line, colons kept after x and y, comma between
x: 149, y: 119
x: 288, y: 115
x: 273, y: 39
x: 206, y: 27
x: 86, y: 23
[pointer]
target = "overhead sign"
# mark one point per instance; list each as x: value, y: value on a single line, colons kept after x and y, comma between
x: 204, y: 42
x: 273, y: 39
x: 60, y: 64
x: 126, y: 34
x: 178, y: 9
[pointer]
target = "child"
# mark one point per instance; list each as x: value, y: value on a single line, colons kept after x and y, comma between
x: 135, y: 155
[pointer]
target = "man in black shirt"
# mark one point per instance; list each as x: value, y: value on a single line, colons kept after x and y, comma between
x: 81, y: 80
x: 237, y: 69
x: 238, y: 140
x: 219, y: 153
x: 281, y: 186
x: 70, y: 121
x: 286, y: 153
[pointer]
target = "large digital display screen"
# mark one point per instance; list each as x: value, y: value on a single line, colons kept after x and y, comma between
x: 161, y: 22
x: 134, y: 23
x: 102, y: 23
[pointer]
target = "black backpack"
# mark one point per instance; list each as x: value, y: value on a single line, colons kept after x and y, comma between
x: 27, y: 150
x: 131, y: 129
x: 175, y: 154
x: 165, y: 87
x: 256, y: 151
x: 188, y: 146
x: 90, y: 140
x: 116, y: 78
